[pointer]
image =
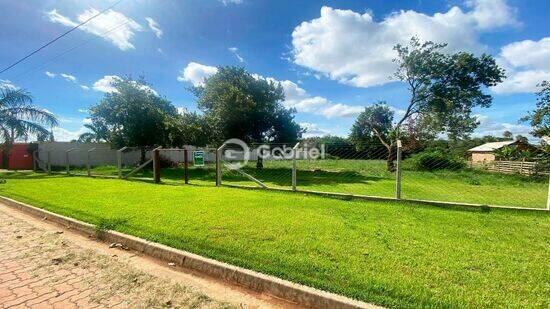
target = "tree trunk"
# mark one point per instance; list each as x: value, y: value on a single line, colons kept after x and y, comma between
x: 390, y: 163
x: 142, y: 157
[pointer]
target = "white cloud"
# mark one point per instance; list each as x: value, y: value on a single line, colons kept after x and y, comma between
x: 354, y: 49
x: 490, y: 14
x: 488, y: 126
x: 105, y: 84
x: 182, y: 110
x: 64, y: 135
x: 7, y: 84
x: 154, y: 26
x: 341, y: 110
x: 68, y: 77
x: 527, y: 63
x: 298, y: 98
x: 313, y: 129
x: 83, y: 110
x: 235, y: 51
x: 227, y: 2
x: 195, y: 73
x: 113, y: 26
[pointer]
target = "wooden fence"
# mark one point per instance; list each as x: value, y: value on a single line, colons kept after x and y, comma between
x: 513, y: 167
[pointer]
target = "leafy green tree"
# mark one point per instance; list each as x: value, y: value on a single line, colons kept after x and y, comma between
x: 189, y: 129
x: 134, y: 115
x: 19, y: 118
x: 239, y: 105
x: 444, y: 89
x: 374, y: 127
x: 540, y: 117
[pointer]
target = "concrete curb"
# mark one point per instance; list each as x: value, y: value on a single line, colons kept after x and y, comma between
x: 295, y: 293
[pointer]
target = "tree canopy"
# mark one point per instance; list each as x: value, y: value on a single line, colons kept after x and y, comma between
x: 189, y: 129
x: 133, y: 115
x: 540, y: 117
x: 237, y: 104
x: 444, y: 89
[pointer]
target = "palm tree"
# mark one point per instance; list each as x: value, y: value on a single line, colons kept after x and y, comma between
x: 19, y: 118
x: 98, y: 133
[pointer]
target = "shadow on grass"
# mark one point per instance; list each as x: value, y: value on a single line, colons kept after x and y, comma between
x: 283, y: 177
x: 271, y: 176
x: 27, y: 175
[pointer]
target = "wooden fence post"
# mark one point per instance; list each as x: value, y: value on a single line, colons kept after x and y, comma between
x: 49, y: 162
x: 88, y: 162
x: 294, y: 172
x: 398, y: 173
x: 186, y: 165
x: 67, y: 162
x: 156, y: 165
x: 218, y: 168
x: 119, y: 161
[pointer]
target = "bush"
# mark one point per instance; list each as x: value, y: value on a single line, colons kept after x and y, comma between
x: 435, y: 160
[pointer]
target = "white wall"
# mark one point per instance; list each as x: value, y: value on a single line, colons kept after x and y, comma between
x: 102, y: 154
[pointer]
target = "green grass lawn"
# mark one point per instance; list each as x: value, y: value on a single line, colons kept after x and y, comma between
x: 394, y: 254
x: 369, y: 177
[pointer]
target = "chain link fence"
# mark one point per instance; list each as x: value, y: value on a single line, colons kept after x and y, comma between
x: 339, y: 169
x: 432, y: 176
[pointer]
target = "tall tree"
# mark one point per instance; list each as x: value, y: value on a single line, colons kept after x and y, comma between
x: 19, y: 118
x: 444, y: 88
x: 540, y: 117
x: 240, y: 105
x: 134, y: 115
x: 374, y: 126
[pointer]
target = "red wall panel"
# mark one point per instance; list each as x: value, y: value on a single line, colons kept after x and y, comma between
x: 20, y: 158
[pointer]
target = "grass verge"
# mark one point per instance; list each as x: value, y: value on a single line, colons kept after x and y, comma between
x: 394, y: 254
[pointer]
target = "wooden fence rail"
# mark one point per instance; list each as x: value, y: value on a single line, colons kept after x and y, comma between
x: 513, y: 167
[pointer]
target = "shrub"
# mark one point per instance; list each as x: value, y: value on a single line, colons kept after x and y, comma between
x: 435, y: 160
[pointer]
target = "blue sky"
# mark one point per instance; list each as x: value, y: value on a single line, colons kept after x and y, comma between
x: 332, y: 57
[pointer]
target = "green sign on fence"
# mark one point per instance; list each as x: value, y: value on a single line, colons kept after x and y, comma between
x: 198, y: 158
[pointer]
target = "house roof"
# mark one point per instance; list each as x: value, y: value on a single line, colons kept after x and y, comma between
x: 489, y: 147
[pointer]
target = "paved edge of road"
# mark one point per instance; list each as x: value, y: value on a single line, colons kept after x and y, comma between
x: 293, y: 292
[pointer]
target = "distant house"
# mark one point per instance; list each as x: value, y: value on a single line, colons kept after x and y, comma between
x: 486, y: 153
